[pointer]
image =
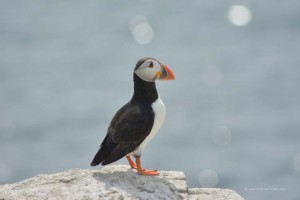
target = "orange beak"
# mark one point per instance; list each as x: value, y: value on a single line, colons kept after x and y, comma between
x: 166, y: 74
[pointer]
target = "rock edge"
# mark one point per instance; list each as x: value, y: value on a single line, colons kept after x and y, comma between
x: 110, y: 182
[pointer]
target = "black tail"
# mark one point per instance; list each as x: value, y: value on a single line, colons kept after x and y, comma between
x: 119, y: 152
x: 104, y: 152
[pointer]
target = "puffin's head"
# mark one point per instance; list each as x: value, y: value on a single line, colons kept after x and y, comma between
x: 149, y: 69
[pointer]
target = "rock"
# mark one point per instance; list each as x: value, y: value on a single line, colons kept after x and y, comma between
x: 111, y: 182
x: 212, y: 193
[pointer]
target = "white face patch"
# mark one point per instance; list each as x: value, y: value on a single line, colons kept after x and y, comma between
x: 148, y: 70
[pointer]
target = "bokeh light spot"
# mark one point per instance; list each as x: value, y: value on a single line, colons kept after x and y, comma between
x: 208, y: 178
x: 221, y: 135
x: 239, y: 15
x: 141, y: 30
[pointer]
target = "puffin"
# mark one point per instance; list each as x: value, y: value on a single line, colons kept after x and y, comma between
x: 136, y: 123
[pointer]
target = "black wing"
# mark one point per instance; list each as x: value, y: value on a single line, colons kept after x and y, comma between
x: 127, y: 130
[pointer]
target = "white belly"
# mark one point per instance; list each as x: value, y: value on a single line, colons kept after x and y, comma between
x: 160, y: 113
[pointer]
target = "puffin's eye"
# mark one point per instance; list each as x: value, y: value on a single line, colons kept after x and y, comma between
x: 151, y: 65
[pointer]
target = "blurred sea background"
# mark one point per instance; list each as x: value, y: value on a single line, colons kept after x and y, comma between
x: 233, y: 112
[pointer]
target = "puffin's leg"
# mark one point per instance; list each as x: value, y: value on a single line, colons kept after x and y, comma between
x: 145, y: 171
x: 131, y: 163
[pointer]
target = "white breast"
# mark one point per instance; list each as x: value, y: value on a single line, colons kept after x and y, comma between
x: 160, y: 113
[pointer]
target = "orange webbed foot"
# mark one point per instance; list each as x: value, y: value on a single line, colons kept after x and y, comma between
x: 148, y: 172
x: 145, y: 172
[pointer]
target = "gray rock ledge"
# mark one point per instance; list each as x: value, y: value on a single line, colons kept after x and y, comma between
x: 111, y: 182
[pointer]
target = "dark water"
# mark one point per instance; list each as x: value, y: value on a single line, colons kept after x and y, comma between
x: 232, y: 114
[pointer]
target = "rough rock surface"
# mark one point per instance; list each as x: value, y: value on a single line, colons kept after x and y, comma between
x: 111, y: 182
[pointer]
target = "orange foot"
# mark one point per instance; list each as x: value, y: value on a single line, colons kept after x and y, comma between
x: 145, y: 172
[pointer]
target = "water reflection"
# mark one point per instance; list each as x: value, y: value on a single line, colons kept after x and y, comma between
x: 239, y: 15
x: 141, y: 30
x: 208, y: 178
